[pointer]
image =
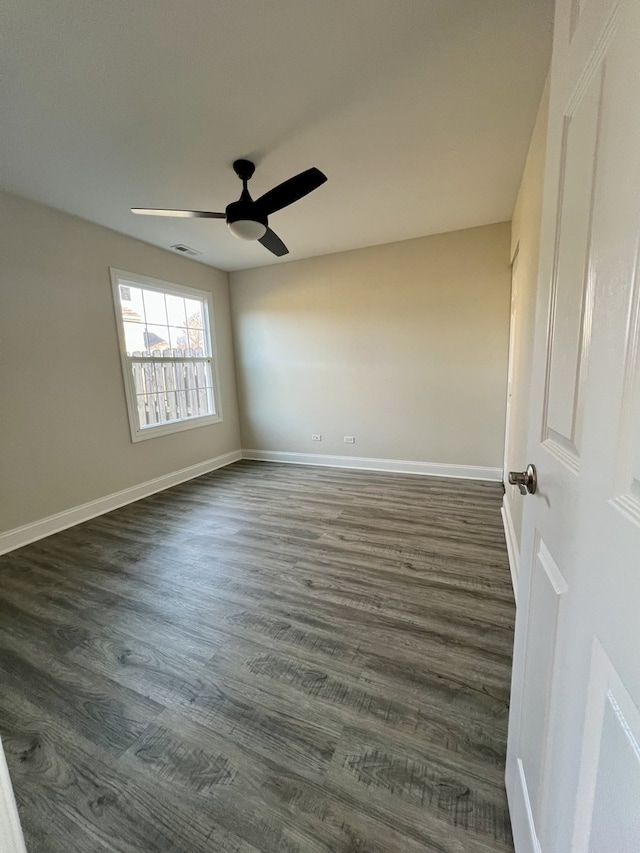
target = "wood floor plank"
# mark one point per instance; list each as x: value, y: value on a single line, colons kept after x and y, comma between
x: 293, y: 740
x: 99, y: 709
x: 164, y: 674
x: 261, y: 800
x: 268, y: 658
x: 430, y: 796
x: 75, y: 796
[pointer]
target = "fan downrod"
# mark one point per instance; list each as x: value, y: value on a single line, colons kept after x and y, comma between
x: 244, y: 169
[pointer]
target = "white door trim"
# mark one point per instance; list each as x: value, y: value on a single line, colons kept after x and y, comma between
x: 510, y: 364
x: 11, y: 838
x: 512, y: 545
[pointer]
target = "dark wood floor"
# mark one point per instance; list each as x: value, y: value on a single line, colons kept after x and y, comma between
x: 269, y: 658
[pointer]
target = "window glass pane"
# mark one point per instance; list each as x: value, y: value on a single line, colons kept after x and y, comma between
x: 137, y: 371
x: 148, y: 378
x: 142, y: 410
x: 175, y: 310
x: 194, y: 313
x: 163, y: 414
x: 154, y: 307
x: 195, y: 341
x: 148, y: 407
x: 156, y: 404
x: 134, y: 337
x: 131, y: 303
x: 179, y: 339
x: 172, y: 406
x: 156, y: 338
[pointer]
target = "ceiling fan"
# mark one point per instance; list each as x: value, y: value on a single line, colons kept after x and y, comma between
x: 249, y: 219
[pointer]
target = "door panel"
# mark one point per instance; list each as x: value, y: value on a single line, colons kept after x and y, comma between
x: 608, y: 812
x: 571, y: 294
x: 547, y: 587
x: 626, y: 488
x: 573, y: 762
x: 614, y: 821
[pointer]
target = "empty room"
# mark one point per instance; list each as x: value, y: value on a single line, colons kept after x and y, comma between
x: 320, y: 426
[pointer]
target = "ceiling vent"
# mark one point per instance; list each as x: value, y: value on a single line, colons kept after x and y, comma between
x: 185, y: 250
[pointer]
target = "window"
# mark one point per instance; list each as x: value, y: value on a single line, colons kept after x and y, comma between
x: 168, y: 355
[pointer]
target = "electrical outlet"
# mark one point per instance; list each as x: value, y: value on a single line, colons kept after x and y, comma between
x: 316, y: 437
x: 349, y: 439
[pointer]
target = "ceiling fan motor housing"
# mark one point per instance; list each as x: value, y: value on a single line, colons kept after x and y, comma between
x: 245, y: 220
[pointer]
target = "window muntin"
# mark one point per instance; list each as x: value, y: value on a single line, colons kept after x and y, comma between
x: 168, y: 356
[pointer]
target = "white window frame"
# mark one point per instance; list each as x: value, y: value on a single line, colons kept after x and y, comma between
x: 138, y: 432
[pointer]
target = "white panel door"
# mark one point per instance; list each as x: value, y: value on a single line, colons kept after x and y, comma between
x: 573, y: 760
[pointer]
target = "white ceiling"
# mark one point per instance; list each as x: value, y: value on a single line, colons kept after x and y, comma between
x: 418, y: 111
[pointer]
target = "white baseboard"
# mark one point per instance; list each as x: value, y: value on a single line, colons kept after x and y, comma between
x: 11, y: 840
x: 20, y: 536
x: 398, y: 466
x: 512, y: 545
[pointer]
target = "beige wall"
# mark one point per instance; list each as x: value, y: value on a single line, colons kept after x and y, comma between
x: 402, y: 345
x: 64, y: 433
x: 525, y: 240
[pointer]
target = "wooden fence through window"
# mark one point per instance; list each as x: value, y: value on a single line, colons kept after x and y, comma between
x: 172, y: 385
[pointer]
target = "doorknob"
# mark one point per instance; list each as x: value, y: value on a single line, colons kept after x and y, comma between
x: 526, y: 481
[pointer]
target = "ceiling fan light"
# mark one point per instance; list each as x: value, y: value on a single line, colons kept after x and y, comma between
x: 247, y: 229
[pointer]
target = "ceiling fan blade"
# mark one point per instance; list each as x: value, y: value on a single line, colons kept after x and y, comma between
x: 188, y: 214
x: 291, y: 190
x: 273, y: 243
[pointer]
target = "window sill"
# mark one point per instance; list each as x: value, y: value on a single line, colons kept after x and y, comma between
x: 178, y: 426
